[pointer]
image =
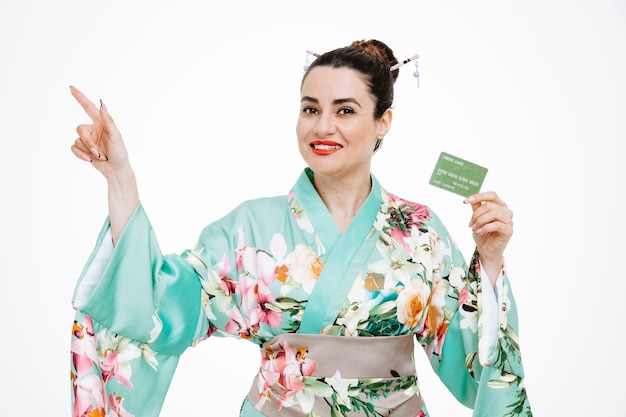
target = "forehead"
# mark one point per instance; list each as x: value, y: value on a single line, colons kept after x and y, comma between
x: 332, y: 83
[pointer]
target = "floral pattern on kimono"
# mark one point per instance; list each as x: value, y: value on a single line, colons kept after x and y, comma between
x: 271, y: 267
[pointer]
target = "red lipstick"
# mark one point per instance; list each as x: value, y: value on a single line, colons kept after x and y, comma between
x: 325, y: 147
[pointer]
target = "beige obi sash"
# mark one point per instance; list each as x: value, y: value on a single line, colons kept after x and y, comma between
x: 315, y: 375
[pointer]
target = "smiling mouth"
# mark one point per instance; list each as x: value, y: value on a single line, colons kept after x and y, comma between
x: 322, y: 147
x: 325, y: 146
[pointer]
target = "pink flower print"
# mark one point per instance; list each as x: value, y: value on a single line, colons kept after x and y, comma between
x: 247, y: 288
x: 260, y: 265
x: 83, y: 347
x: 266, y: 314
x: 117, y: 353
x: 238, y: 325
x: 468, y: 310
x: 87, y: 387
x: 212, y: 329
x: 292, y: 385
x: 283, y: 369
x: 273, y: 362
x: 241, y: 249
x: 88, y: 391
x: 297, y: 366
x: 111, y: 368
x: 255, y: 295
x: 297, y: 362
x: 109, y: 365
x: 116, y: 409
x: 399, y: 236
x: 227, y: 285
x: 463, y: 296
x: 79, y: 331
x: 403, y: 215
x: 272, y: 365
x: 420, y: 213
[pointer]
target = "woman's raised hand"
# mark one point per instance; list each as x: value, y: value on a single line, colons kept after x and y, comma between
x: 492, y: 228
x: 100, y: 142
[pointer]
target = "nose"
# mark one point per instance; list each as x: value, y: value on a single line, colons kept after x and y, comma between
x: 325, y: 125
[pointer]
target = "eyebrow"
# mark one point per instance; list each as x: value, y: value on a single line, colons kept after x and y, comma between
x: 335, y: 102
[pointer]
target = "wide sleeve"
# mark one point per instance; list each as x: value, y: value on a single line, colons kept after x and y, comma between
x: 492, y: 382
x: 136, y: 312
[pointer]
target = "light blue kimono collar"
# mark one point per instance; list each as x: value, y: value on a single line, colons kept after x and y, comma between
x: 320, y: 217
x: 346, y: 253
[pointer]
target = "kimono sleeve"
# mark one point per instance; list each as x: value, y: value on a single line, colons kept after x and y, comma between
x: 136, y: 312
x: 492, y: 383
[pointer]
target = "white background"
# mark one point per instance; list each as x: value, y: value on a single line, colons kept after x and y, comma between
x: 206, y: 95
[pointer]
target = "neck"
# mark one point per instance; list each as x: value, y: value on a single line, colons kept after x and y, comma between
x: 343, y: 198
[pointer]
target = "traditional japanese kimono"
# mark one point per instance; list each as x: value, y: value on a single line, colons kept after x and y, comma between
x: 277, y: 272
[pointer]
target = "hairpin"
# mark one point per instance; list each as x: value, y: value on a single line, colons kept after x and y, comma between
x: 406, y: 61
x: 416, y: 74
x: 309, y: 54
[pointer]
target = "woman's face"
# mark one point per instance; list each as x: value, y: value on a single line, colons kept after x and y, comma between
x: 336, y: 128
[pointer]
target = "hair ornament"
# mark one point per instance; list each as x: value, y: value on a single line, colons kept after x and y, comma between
x: 401, y: 63
x: 309, y: 54
x: 416, y: 74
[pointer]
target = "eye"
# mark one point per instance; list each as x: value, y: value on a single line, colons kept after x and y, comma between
x: 309, y: 110
x: 345, y: 111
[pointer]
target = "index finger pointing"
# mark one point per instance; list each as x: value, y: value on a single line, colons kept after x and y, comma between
x: 88, y: 106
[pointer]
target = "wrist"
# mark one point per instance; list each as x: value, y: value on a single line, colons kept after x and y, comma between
x: 491, y: 264
x: 122, y: 178
x: 491, y: 268
x: 122, y: 187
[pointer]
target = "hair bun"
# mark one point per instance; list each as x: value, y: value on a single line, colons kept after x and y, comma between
x: 378, y: 49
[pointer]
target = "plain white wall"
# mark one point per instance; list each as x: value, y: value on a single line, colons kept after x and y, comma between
x: 206, y: 95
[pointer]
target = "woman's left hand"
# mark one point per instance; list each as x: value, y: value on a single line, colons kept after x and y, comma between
x: 492, y: 228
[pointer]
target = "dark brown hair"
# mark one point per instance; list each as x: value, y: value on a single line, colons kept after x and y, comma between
x: 373, y: 60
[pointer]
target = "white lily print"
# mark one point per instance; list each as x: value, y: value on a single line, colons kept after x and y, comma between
x: 394, y: 266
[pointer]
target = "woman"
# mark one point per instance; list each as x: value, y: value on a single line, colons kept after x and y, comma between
x: 307, y: 276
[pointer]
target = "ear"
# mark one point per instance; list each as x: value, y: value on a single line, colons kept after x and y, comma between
x: 384, y: 123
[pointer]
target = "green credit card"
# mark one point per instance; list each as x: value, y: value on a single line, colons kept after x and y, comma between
x: 457, y: 175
